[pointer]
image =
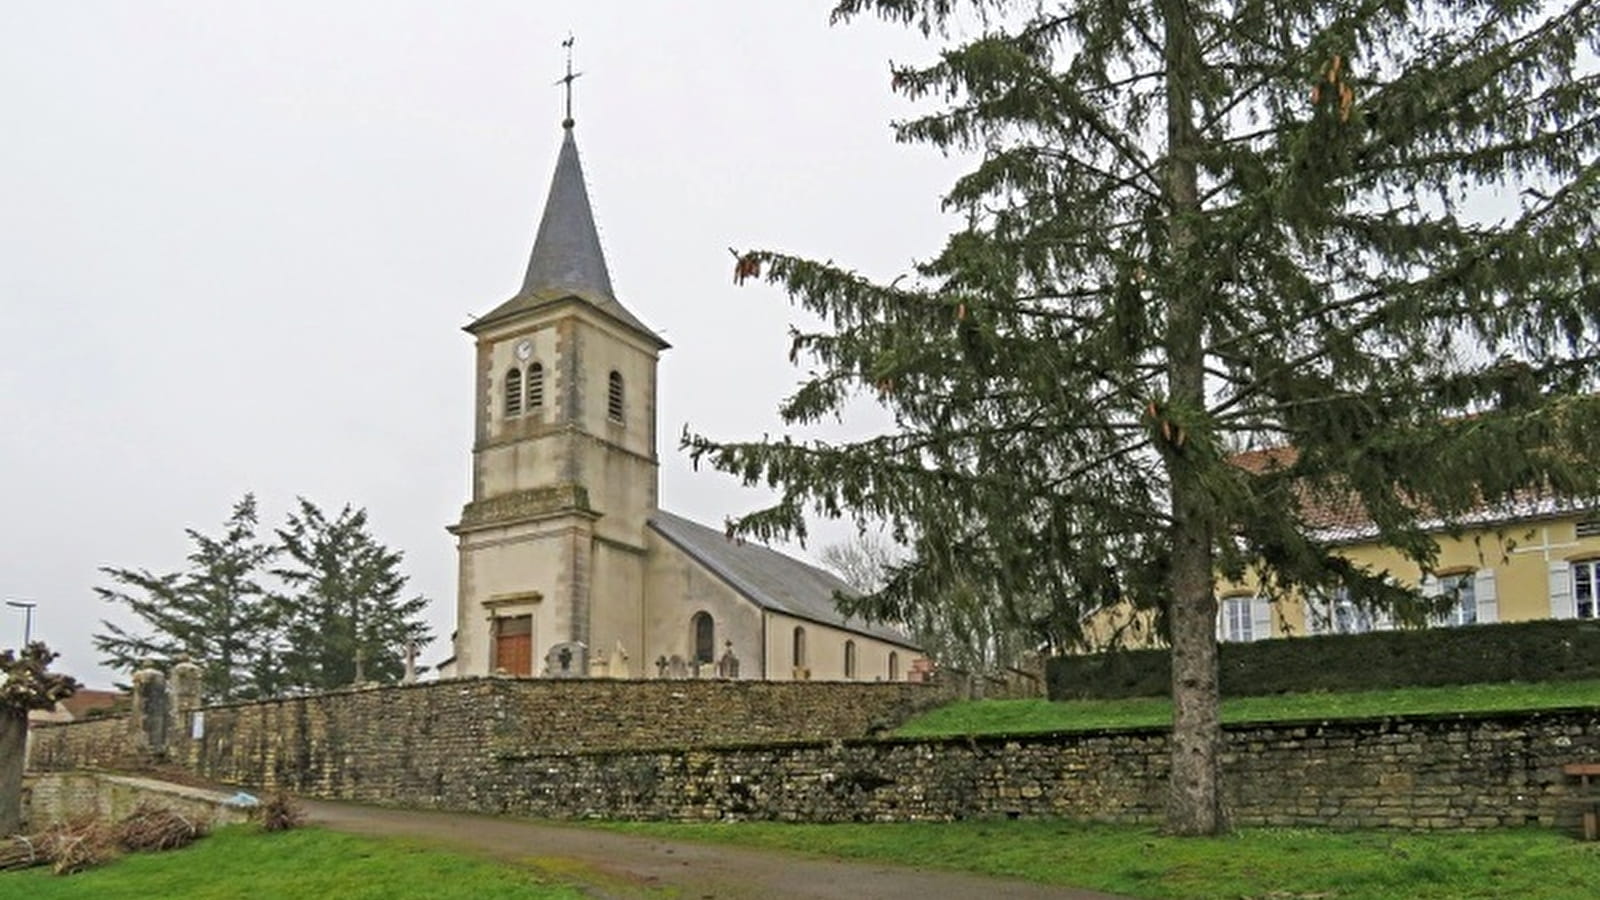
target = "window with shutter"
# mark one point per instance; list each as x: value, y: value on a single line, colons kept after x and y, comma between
x: 1462, y: 589
x: 1585, y: 588
x: 1238, y: 618
x: 1336, y: 613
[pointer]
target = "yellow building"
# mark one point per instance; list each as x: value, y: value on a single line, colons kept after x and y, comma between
x: 1534, y: 558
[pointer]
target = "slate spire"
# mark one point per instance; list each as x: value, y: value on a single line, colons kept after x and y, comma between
x: 566, y: 254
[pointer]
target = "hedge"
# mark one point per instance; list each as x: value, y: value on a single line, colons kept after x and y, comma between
x: 1545, y: 650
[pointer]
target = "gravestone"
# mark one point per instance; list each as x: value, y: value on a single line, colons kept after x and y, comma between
x: 569, y: 659
x: 661, y: 667
x: 677, y: 668
x: 728, y: 665
x: 410, y: 677
x: 599, y: 666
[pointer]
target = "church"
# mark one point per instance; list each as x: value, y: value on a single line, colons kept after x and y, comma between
x: 568, y: 566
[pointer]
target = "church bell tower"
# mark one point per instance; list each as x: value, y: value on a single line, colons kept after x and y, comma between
x: 564, y: 468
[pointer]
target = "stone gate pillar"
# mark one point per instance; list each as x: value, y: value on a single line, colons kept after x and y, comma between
x: 149, y: 719
x: 184, y: 701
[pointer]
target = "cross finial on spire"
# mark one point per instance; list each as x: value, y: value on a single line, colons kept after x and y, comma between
x: 568, y: 79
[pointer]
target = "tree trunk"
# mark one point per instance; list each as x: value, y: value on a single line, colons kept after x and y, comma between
x: 1194, y: 804
x: 1194, y: 791
x: 13, y: 744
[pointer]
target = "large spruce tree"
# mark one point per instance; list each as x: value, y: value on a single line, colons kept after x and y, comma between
x: 1363, y: 229
x: 343, y: 602
x: 215, y: 611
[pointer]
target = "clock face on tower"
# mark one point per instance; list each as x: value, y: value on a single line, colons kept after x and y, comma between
x: 524, y: 349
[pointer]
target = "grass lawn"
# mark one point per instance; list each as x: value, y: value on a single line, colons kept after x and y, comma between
x: 1263, y: 864
x: 978, y: 717
x: 241, y: 862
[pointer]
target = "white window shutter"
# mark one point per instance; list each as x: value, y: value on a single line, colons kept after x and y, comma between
x: 1488, y: 600
x: 1561, y: 591
x: 1222, y: 615
x: 1260, y: 619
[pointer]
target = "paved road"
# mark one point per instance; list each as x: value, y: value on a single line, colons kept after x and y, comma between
x: 625, y: 866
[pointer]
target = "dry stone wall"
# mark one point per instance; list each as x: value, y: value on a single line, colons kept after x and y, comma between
x: 337, y: 738
x: 1430, y: 772
x: 94, y: 743
x: 802, y: 752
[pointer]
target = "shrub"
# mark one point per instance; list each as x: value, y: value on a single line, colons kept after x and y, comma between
x: 1544, y: 650
x: 281, y: 813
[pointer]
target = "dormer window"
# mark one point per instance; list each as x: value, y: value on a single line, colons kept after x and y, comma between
x: 535, y: 387
x: 513, y: 392
x: 614, y: 398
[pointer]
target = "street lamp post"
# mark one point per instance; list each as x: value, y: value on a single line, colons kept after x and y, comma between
x: 27, y: 622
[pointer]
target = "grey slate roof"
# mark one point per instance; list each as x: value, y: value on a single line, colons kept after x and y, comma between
x: 769, y: 579
x: 567, y: 260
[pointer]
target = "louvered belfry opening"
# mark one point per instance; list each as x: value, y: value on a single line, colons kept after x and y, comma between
x: 513, y: 392
x: 535, y: 387
x: 614, y: 398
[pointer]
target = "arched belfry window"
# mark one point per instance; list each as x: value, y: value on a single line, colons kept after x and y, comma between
x: 849, y: 659
x: 799, y: 647
x: 614, y: 398
x: 535, y: 387
x: 513, y: 392
x: 704, y: 633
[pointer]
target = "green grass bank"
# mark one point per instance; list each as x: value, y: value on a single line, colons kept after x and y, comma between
x: 987, y: 717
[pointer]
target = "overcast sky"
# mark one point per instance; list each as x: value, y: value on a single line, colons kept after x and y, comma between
x: 238, y: 242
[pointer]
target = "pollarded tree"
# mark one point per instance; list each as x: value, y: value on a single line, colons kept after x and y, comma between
x: 26, y: 683
x: 215, y: 611
x: 1363, y: 228
x: 343, y: 600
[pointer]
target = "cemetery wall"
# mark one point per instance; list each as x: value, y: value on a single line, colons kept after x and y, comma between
x: 802, y: 752
x: 471, y: 719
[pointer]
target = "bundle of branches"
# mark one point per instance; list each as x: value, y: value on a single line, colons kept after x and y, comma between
x: 153, y: 827
x: 21, y: 851
x: 80, y: 845
x: 281, y: 813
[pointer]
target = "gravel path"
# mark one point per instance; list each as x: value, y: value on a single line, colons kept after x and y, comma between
x: 625, y: 866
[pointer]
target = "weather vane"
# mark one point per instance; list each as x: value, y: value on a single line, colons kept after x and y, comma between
x: 570, y: 77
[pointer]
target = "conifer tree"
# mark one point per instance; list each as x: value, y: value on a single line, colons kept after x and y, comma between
x: 1364, y: 229
x: 343, y: 602
x: 215, y: 611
